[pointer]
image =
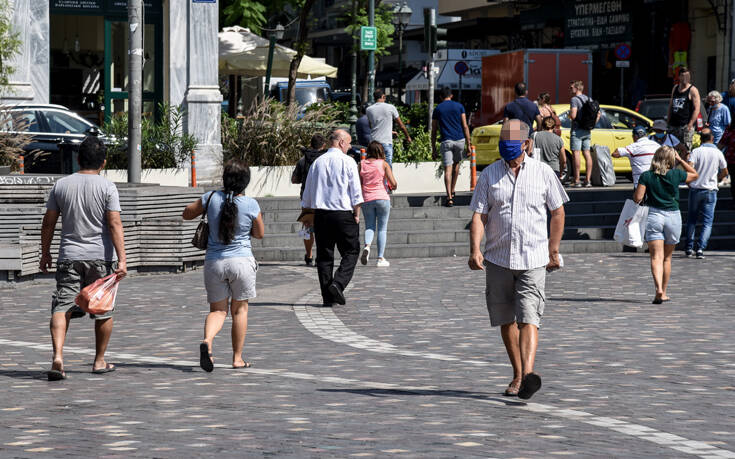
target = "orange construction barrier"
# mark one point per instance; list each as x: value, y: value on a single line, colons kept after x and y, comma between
x: 21, y: 165
x: 193, y: 169
x: 473, y: 168
x: 363, y: 155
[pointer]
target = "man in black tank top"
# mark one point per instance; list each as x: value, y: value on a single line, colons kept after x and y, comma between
x: 684, y: 108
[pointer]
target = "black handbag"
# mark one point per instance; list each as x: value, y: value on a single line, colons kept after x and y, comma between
x: 201, y: 235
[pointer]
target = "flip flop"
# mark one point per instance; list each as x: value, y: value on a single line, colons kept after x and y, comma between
x: 511, y: 391
x: 205, y: 358
x: 450, y: 203
x: 530, y: 384
x: 247, y: 365
x: 56, y: 375
x: 108, y: 369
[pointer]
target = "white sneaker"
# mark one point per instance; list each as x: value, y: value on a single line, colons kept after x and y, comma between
x: 365, y: 255
x: 382, y: 263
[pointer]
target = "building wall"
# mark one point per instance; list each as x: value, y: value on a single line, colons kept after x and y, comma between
x: 708, y: 41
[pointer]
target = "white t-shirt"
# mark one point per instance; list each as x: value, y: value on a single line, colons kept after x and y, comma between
x: 640, y: 154
x: 708, y: 161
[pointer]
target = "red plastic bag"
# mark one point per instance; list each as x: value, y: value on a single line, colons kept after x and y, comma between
x: 99, y: 297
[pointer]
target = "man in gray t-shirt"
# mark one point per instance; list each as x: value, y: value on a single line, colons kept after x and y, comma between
x: 381, y: 116
x: 91, y: 237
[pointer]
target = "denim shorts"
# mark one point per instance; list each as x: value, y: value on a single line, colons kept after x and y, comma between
x: 580, y: 139
x: 663, y: 225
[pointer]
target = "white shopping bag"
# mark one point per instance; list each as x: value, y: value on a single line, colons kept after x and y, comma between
x: 631, y: 227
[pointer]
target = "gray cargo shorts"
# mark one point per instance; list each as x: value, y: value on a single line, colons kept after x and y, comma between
x: 515, y: 295
x: 71, y: 277
x: 452, y: 151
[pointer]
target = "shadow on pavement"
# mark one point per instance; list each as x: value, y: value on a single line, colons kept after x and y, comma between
x: 426, y: 392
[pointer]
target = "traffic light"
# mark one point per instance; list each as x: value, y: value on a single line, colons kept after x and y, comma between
x: 438, y: 38
x: 427, y: 28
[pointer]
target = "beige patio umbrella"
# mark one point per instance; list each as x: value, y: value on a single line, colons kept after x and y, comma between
x: 242, y: 52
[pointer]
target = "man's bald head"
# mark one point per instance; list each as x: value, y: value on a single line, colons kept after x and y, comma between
x: 514, y: 130
x: 339, y: 138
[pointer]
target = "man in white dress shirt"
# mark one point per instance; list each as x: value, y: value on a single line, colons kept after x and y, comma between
x: 509, y: 204
x: 334, y: 192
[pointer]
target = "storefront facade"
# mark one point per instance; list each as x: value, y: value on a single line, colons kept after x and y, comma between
x: 75, y: 54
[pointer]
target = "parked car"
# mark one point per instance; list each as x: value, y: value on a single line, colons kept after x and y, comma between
x: 614, y: 129
x: 656, y: 106
x: 54, y: 132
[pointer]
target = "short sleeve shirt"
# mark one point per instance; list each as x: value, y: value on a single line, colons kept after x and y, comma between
x: 640, y: 154
x: 549, y: 145
x: 449, y: 116
x: 707, y: 160
x: 516, y: 234
x: 83, y: 201
x: 662, y: 191
x: 247, y: 211
x: 381, y: 116
x: 524, y: 110
x: 577, y: 102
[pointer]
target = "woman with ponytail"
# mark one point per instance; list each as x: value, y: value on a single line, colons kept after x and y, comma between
x: 229, y: 265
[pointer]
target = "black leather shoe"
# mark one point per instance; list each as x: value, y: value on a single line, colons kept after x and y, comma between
x: 308, y: 260
x: 337, y: 294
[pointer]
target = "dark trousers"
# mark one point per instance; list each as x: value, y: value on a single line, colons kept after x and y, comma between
x: 731, y: 169
x: 335, y: 227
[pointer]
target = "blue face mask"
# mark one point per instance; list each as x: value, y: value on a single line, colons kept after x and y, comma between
x: 660, y: 135
x: 510, y: 149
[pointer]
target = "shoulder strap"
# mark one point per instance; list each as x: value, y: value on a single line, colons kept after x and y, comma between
x: 204, y: 214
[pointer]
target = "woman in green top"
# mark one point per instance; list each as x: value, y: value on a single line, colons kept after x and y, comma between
x: 660, y: 187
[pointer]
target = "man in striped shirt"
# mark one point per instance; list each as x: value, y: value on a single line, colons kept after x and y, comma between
x: 510, y: 203
x: 640, y: 153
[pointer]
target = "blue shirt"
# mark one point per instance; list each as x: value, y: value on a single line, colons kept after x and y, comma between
x: 524, y: 110
x: 719, y: 119
x: 449, y: 116
x: 247, y: 211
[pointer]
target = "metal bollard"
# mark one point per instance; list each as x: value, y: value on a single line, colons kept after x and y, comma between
x: 473, y: 168
x: 363, y: 155
x: 193, y: 169
x: 21, y: 165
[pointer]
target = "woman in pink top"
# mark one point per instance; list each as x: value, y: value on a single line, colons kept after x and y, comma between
x: 376, y: 208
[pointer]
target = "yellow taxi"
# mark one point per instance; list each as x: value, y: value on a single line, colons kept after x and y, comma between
x: 614, y: 129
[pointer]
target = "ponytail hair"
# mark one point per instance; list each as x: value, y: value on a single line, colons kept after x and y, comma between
x: 235, y: 178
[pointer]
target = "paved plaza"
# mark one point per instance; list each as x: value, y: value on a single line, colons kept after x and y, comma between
x: 409, y: 368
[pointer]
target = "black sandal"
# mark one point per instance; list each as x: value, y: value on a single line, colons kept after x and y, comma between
x: 205, y: 358
x: 450, y: 203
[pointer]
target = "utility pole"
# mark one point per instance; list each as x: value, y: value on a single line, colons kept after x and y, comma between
x: 353, y: 100
x: 135, y: 88
x: 371, y: 54
x: 430, y: 95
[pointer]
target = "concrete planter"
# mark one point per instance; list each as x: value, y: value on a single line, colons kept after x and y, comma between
x: 165, y: 177
x: 411, y: 177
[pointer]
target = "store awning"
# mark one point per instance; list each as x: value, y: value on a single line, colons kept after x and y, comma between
x: 242, y: 52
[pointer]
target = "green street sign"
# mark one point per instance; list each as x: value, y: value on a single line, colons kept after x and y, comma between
x: 368, y: 38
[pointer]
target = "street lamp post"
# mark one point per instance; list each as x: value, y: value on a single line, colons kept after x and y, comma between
x: 274, y: 36
x: 401, y: 18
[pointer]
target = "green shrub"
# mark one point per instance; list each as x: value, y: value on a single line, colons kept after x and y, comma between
x: 163, y: 144
x: 273, y: 134
x: 417, y: 151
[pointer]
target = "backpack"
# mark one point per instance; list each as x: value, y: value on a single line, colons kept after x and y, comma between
x: 587, y: 114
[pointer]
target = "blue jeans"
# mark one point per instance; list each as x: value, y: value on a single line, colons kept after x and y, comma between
x: 376, y: 215
x: 388, y: 147
x: 701, y: 207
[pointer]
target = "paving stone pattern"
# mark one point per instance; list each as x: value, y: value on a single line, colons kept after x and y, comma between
x: 409, y: 368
